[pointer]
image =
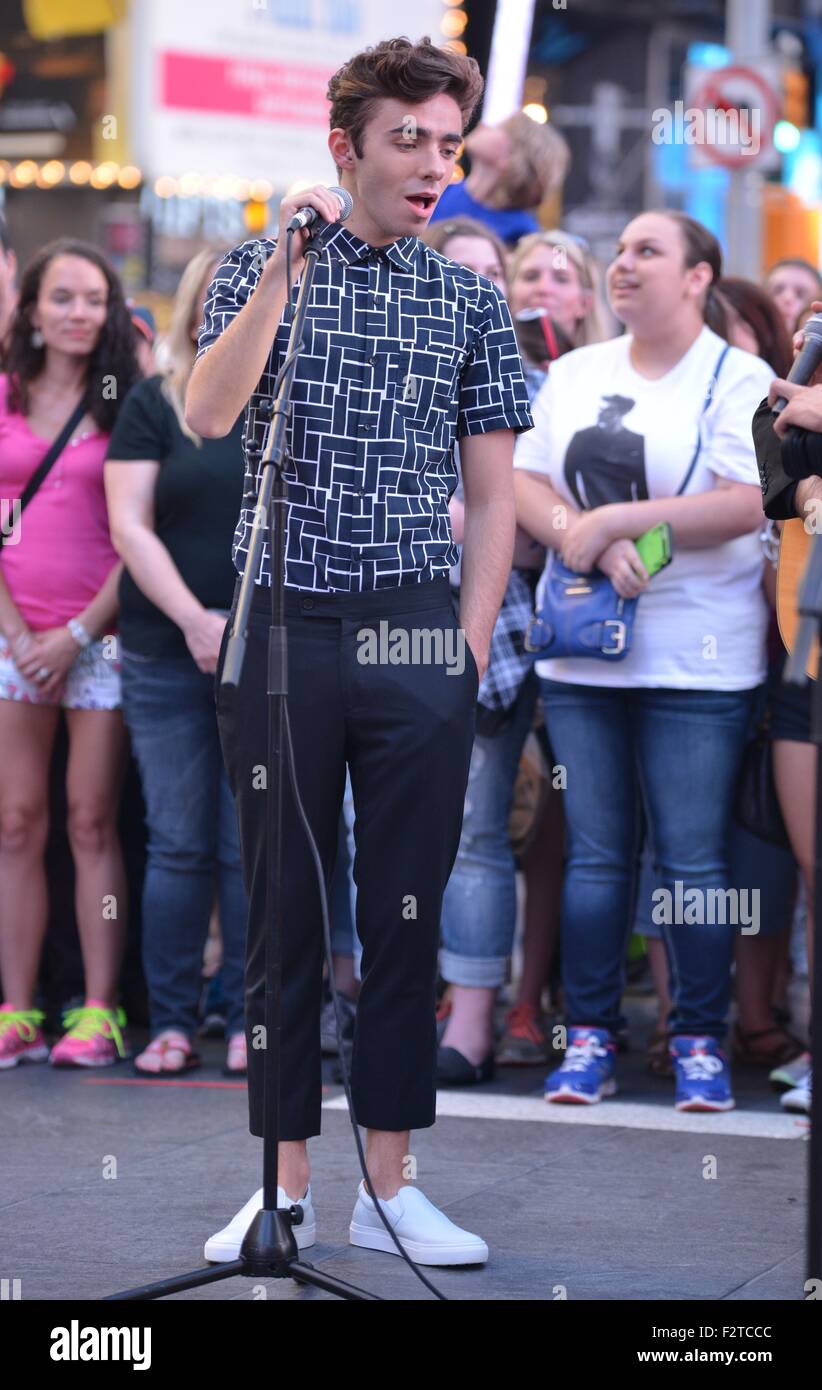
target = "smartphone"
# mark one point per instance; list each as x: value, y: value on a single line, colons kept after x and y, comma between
x: 656, y: 548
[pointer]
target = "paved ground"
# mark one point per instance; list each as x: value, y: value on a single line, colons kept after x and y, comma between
x: 603, y: 1203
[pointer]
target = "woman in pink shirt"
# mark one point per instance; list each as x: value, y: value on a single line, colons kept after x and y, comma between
x: 71, y: 339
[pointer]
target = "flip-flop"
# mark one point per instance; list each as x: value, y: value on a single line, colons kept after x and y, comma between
x: 787, y: 1048
x: 169, y: 1048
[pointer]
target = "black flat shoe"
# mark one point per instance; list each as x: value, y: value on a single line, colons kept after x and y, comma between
x: 455, y: 1070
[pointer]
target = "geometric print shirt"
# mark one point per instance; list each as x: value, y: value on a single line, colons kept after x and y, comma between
x: 404, y: 352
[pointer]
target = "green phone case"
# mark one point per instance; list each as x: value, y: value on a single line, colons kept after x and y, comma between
x: 655, y: 548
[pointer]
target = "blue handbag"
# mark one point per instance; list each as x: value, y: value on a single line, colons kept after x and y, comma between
x: 579, y: 615
x: 582, y: 614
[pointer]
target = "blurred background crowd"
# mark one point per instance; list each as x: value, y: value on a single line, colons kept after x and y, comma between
x: 135, y: 153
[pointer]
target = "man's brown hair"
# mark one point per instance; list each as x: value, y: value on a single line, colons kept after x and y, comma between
x: 406, y: 71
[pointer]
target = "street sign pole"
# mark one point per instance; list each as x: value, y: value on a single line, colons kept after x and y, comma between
x: 747, y: 35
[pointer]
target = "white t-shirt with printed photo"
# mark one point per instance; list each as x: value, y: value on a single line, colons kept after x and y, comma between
x: 603, y: 433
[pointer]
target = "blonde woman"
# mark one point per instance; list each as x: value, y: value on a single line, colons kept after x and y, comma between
x: 554, y: 272
x: 515, y: 166
x: 173, y: 501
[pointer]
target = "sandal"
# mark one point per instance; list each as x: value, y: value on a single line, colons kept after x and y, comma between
x: 170, y: 1052
x: 657, y: 1053
x: 236, y: 1061
x: 785, y: 1050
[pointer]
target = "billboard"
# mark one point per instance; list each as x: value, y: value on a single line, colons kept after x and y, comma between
x: 237, y: 87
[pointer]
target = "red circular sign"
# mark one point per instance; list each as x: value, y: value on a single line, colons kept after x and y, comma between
x: 713, y: 94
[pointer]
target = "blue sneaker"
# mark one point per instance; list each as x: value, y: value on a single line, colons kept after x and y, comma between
x: 703, y: 1077
x: 587, y: 1071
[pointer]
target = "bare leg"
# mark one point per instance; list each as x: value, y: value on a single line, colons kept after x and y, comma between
x: 658, y: 963
x: 293, y: 1169
x: 97, y: 761
x: 344, y: 977
x: 542, y: 867
x: 794, y: 766
x: 757, y: 962
x: 26, y: 744
x: 781, y: 973
x: 470, y: 1023
x: 386, y: 1156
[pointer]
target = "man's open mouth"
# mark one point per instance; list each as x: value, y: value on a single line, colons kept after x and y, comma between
x: 421, y: 202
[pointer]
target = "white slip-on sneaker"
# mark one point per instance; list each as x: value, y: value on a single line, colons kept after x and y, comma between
x: 424, y: 1232
x: 225, y: 1245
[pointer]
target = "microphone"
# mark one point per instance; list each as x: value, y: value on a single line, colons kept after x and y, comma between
x: 807, y: 361
x: 310, y: 217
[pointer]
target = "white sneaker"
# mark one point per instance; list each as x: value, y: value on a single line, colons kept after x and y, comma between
x: 424, y: 1232
x: 225, y: 1245
x: 799, y: 1099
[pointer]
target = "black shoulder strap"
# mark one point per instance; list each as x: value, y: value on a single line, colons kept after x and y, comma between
x: 53, y: 453
x: 708, y: 398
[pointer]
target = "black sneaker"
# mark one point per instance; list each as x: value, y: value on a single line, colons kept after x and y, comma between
x: 455, y: 1070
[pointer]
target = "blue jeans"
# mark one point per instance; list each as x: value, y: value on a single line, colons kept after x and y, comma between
x: 480, y: 904
x: 753, y: 864
x: 193, y: 840
x: 680, y: 750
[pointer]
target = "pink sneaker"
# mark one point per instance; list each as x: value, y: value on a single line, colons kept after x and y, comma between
x: 21, y: 1038
x: 93, y: 1037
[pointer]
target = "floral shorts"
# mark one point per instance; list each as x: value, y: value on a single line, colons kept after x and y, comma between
x: 92, y: 682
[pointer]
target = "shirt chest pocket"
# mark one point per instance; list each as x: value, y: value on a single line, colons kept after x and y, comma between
x: 425, y: 382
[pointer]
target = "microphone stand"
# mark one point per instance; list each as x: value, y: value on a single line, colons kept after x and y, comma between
x: 269, y: 1249
x: 810, y: 611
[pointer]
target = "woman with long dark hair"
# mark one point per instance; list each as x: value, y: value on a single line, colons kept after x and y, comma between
x: 71, y: 342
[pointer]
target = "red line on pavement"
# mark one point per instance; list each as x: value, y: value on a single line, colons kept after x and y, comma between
x: 135, y: 1081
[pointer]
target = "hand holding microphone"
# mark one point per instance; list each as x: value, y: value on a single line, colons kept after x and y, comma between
x: 306, y: 212
x: 797, y: 400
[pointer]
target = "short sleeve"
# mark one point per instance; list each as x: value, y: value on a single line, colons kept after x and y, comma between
x: 493, y: 394
x: 143, y: 426
x: 730, y: 451
x: 235, y: 280
x: 532, y: 450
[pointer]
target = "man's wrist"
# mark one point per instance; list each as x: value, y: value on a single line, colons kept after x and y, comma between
x: 273, y: 275
x: 807, y: 489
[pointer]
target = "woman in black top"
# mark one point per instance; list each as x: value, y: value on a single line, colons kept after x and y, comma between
x: 173, y: 501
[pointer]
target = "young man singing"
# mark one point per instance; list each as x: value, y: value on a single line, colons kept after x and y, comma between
x: 404, y: 354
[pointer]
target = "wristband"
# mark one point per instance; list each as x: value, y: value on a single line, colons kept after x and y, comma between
x: 80, y: 634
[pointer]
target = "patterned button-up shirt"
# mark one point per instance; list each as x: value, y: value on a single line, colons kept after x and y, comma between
x: 404, y: 352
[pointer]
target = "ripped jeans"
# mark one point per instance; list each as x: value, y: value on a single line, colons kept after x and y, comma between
x: 480, y: 904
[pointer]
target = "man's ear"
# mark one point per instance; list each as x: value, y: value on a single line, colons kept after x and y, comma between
x: 341, y: 150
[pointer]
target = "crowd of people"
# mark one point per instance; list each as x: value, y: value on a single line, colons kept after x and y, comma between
x: 115, y: 584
